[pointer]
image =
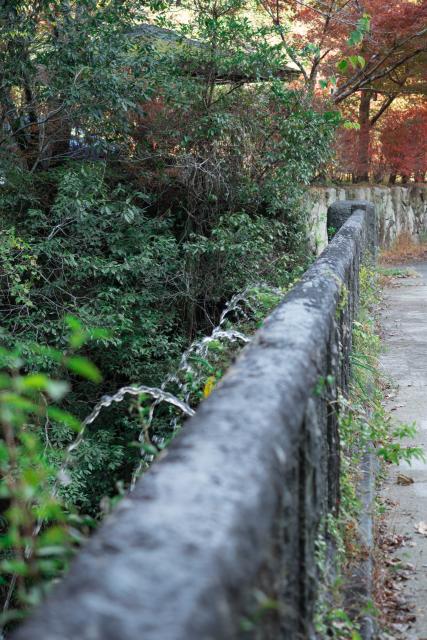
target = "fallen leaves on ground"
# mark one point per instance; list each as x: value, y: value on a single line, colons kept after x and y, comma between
x: 396, y: 611
x: 397, y: 406
x: 405, y: 480
x: 404, y: 249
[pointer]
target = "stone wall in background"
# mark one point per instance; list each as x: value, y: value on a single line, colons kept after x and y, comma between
x: 399, y: 209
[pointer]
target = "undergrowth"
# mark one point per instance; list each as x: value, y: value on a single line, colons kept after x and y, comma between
x: 203, y: 365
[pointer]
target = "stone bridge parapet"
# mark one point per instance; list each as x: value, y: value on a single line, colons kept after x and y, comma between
x: 218, y: 539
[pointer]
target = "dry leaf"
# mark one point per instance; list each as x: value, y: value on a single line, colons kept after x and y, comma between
x: 405, y: 480
x: 398, y: 406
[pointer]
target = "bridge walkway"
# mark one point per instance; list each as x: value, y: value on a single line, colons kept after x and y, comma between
x: 404, y: 321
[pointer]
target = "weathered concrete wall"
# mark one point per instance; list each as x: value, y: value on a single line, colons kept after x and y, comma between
x: 231, y: 513
x: 399, y: 209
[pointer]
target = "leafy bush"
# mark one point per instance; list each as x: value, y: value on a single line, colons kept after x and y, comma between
x: 39, y: 531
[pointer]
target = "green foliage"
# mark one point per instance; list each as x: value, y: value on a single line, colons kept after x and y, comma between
x: 109, y: 272
x: 368, y: 421
x: 39, y: 532
x: 394, y: 452
x: 351, y: 63
x: 362, y: 28
x: 397, y: 272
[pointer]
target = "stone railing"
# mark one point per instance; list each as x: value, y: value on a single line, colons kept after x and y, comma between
x: 217, y: 542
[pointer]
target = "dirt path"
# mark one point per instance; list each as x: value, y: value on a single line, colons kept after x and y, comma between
x: 405, y: 361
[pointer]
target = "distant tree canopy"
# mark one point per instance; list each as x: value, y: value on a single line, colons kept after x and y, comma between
x: 366, y: 55
x: 397, y: 145
x: 403, y: 144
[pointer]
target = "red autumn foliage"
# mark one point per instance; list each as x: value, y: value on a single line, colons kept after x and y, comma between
x: 403, y: 143
x: 398, y: 146
x: 346, y: 153
x: 393, y: 50
x: 398, y: 33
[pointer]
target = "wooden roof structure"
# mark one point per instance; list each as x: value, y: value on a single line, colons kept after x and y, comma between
x: 154, y: 32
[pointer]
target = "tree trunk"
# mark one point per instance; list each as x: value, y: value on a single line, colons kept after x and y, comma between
x: 362, y: 172
x: 57, y: 135
x: 362, y: 163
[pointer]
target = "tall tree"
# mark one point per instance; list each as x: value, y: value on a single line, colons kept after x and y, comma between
x: 348, y: 59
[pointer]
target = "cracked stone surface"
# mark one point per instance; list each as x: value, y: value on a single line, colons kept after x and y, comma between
x: 404, y: 320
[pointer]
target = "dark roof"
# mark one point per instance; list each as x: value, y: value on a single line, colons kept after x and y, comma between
x: 235, y: 75
x: 153, y: 31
